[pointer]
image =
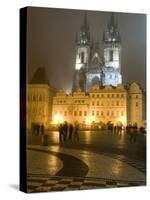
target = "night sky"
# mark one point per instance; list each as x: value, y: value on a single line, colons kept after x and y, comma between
x: 51, y: 42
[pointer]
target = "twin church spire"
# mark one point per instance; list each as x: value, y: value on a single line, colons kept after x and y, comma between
x: 94, y: 67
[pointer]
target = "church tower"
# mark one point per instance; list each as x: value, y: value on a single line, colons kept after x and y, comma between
x: 112, y: 54
x: 82, y: 56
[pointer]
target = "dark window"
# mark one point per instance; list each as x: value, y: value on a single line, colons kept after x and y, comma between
x: 85, y: 113
x: 93, y: 113
x: 111, y: 55
x: 82, y: 57
x: 75, y: 113
x: 137, y: 104
x: 80, y: 113
x: 117, y: 103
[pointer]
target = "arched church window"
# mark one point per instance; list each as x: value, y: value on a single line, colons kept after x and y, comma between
x: 82, y: 57
x: 111, y: 55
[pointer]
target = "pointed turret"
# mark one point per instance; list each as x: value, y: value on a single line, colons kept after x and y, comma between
x: 112, y: 33
x: 85, y: 32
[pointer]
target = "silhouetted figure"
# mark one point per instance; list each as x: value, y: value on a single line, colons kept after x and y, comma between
x: 131, y: 133
x: 61, y: 133
x: 115, y: 128
x: 38, y: 129
x: 70, y: 132
x: 76, y: 132
x: 65, y: 130
x: 42, y: 129
x: 135, y: 133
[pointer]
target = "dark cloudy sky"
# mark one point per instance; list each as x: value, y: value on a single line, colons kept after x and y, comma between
x: 51, y: 42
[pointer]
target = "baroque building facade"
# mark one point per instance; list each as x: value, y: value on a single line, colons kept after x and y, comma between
x: 102, y: 105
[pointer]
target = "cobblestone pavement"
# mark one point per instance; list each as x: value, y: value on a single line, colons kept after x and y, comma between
x: 104, y: 161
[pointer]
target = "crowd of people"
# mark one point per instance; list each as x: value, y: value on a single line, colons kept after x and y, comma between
x: 68, y: 132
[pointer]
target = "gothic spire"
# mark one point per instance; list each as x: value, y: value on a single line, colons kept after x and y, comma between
x: 85, y: 32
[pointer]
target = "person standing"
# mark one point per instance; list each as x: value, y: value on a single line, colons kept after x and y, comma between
x: 76, y: 132
x: 65, y: 130
x: 70, y: 132
x: 42, y: 129
x: 61, y: 133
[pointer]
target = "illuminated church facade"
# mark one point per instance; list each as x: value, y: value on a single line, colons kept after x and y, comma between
x: 90, y: 67
x: 98, y: 95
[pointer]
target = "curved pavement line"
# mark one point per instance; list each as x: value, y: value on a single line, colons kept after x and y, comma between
x: 72, y: 166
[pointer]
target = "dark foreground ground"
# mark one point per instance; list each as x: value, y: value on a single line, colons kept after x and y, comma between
x: 100, y: 159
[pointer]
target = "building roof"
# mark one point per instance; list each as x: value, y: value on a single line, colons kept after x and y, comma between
x: 40, y: 77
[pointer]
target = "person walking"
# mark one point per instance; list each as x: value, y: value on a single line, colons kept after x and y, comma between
x: 42, y: 129
x: 61, y: 133
x: 70, y: 132
x: 131, y: 132
x: 65, y: 130
x: 135, y: 130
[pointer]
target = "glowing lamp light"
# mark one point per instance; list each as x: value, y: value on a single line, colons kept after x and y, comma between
x: 89, y: 120
x: 58, y: 118
x: 122, y: 119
